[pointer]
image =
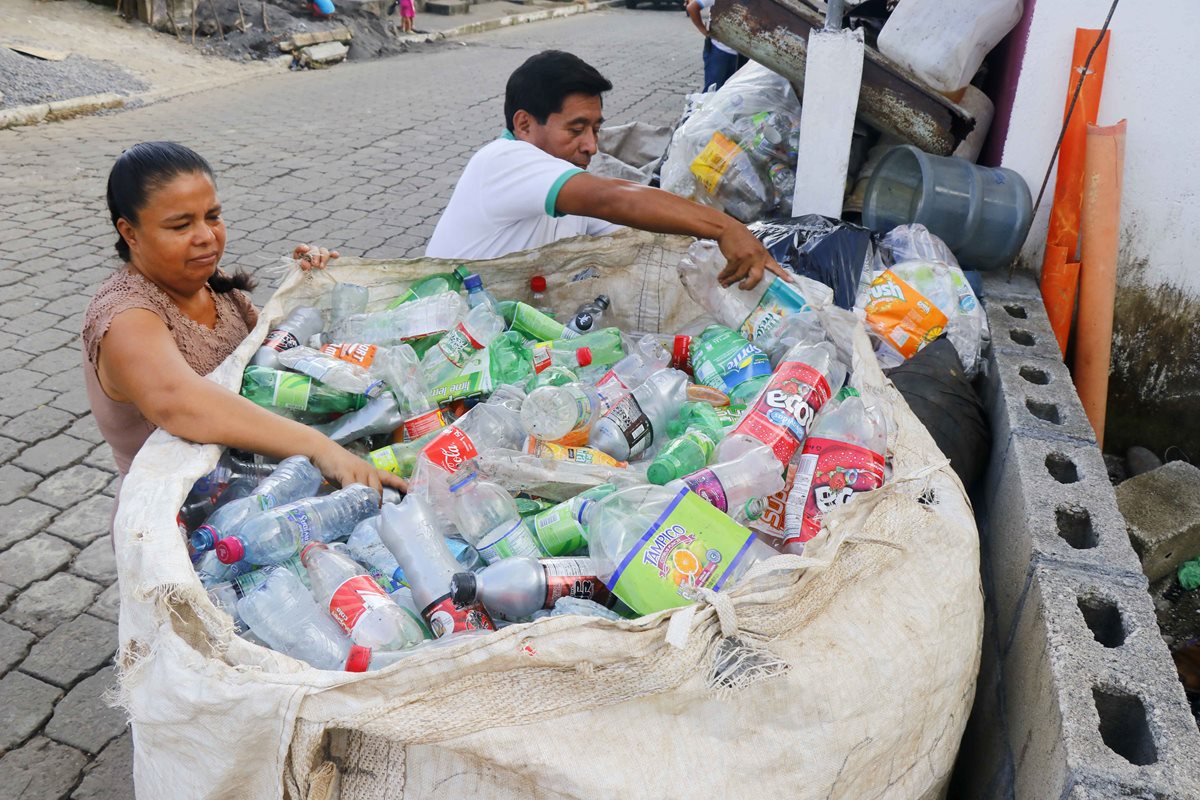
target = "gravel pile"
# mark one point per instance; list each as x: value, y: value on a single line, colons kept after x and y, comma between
x: 25, y: 80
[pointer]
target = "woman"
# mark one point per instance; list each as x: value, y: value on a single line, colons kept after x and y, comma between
x: 169, y: 316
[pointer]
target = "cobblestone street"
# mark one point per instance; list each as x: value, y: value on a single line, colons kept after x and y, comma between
x: 361, y: 158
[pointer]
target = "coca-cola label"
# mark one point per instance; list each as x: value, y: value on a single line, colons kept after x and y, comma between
x: 706, y: 484
x: 280, y: 340
x: 450, y: 448
x: 445, y: 618
x: 458, y: 345
x: 628, y: 416
x: 355, y: 597
x: 418, y: 426
x: 829, y: 474
x: 566, y: 578
x: 784, y: 411
x: 361, y: 354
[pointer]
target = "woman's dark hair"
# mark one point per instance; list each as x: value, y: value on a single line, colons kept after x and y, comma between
x: 146, y: 167
x: 540, y: 85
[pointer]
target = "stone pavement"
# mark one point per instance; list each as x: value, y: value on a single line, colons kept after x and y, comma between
x: 361, y: 158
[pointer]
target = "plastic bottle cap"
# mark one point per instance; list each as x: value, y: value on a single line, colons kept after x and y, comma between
x: 472, y: 281
x: 583, y: 356
x: 359, y: 658
x: 659, y: 473
x: 203, y: 538
x: 603, y: 301
x: 230, y: 550
x: 537, y: 283
x: 462, y: 588
x: 306, y: 548
x: 454, y: 487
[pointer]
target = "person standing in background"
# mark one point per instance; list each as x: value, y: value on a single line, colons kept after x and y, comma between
x: 720, y: 61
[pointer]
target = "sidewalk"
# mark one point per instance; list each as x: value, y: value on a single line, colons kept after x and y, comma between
x: 487, y: 16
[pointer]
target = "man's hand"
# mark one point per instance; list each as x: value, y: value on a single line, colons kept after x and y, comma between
x: 746, y: 258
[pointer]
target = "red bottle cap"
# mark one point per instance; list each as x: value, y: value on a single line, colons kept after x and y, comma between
x: 583, y: 356
x: 537, y: 283
x: 304, y: 550
x: 230, y: 550
x: 359, y: 658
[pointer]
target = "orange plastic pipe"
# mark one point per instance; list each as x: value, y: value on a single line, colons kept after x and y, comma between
x: 1060, y: 267
x: 1101, y: 222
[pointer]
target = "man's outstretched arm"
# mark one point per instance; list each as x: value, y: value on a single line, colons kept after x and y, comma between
x: 658, y: 211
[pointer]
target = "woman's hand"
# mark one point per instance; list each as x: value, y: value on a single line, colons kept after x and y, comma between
x: 342, y: 467
x: 311, y: 258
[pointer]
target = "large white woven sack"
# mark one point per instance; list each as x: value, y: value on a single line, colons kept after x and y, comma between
x: 848, y: 673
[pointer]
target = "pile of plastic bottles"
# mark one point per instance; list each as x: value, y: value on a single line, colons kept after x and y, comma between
x: 554, y: 468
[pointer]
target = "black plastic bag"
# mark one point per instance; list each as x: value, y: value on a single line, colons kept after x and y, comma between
x: 827, y: 250
x: 936, y: 389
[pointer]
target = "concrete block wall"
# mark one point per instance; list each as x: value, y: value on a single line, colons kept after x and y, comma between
x: 1077, y: 694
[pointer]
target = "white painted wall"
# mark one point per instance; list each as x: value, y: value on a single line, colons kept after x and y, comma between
x: 1153, y: 80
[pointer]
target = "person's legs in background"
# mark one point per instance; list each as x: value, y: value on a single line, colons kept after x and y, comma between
x: 719, y: 66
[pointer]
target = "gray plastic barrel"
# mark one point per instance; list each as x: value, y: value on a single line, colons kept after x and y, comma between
x: 981, y: 213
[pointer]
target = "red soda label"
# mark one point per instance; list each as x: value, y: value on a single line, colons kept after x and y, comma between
x: 563, y: 580
x: 418, y: 426
x: 829, y: 474
x: 706, y: 484
x: 361, y: 354
x: 450, y: 448
x: 542, y: 358
x: 280, y: 340
x: 784, y: 411
x: 355, y: 597
x: 681, y: 354
x: 445, y: 618
x: 773, y: 519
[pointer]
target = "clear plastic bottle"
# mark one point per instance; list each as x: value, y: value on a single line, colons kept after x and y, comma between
x: 587, y: 317
x: 347, y: 299
x: 282, y: 612
x: 412, y: 532
x: 537, y: 286
x: 336, y: 373
x: 691, y: 450
x: 357, y: 603
x: 294, y: 478
x: 484, y: 427
x: 425, y: 316
x: 516, y: 587
x: 802, y: 327
x: 751, y: 312
x: 380, y: 415
x: 629, y: 428
x: 559, y: 530
x: 430, y: 285
x: 301, y: 324
x: 738, y: 487
x: 401, y: 369
x: 487, y: 517
x: 400, y: 458
x: 478, y: 328
x: 226, y: 595
x: 278, y: 534
x: 476, y: 294
x: 652, y: 544
x: 782, y: 414
x: 843, y: 456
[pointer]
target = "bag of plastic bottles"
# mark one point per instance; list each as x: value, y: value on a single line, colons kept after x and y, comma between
x: 733, y: 636
x: 735, y: 152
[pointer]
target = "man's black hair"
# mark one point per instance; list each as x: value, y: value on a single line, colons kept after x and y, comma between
x: 540, y: 85
x: 146, y: 167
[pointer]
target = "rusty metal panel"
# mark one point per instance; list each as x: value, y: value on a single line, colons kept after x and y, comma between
x: 775, y: 34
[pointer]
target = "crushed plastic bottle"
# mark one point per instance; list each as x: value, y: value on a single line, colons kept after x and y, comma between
x: 422, y: 317
x: 431, y: 285
x: 691, y: 450
x: 725, y: 360
x: 480, y: 326
x: 273, y: 388
x: 293, y: 479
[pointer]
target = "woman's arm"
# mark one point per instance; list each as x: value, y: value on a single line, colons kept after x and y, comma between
x: 140, y: 363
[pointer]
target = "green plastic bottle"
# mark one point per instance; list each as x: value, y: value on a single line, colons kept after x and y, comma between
x: 504, y: 360
x: 599, y: 348
x: 433, y: 284
x: 559, y: 530
x: 725, y: 360
x: 274, y: 388
x: 691, y: 450
x: 530, y: 322
x: 401, y: 458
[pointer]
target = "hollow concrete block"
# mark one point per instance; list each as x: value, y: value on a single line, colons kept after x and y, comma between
x: 1162, y: 510
x: 1035, y: 396
x: 1017, y: 320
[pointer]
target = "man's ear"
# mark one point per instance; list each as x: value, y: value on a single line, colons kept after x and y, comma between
x: 522, y: 124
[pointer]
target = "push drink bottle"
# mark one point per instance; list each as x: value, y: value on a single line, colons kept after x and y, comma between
x: 301, y: 324
x: 516, y: 587
x: 630, y: 427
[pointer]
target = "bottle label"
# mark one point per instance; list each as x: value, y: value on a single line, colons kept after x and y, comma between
x: 474, y: 378
x: 690, y: 544
x: 783, y: 413
x: 445, y: 618
x: 534, y: 324
x: 425, y: 423
x: 635, y: 427
x: 316, y: 366
x: 706, y: 484
x: 542, y: 357
x: 355, y: 597
x: 291, y: 390
x: 773, y: 517
x: 361, y: 354
x: 609, y: 390
x: 458, y: 345
x: 569, y: 578
x: 579, y: 455
x: 280, y: 339
x: 300, y: 518
x: 829, y: 474
x: 901, y: 315
x: 726, y: 361
x: 385, y: 459
x: 557, y: 531
x: 778, y: 301
x: 711, y: 165
x: 681, y: 354
x: 515, y: 540
x: 450, y: 448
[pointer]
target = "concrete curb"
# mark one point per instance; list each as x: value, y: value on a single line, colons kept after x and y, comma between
x: 90, y: 104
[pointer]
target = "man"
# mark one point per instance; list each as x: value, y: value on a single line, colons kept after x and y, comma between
x: 528, y: 188
x: 720, y: 61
